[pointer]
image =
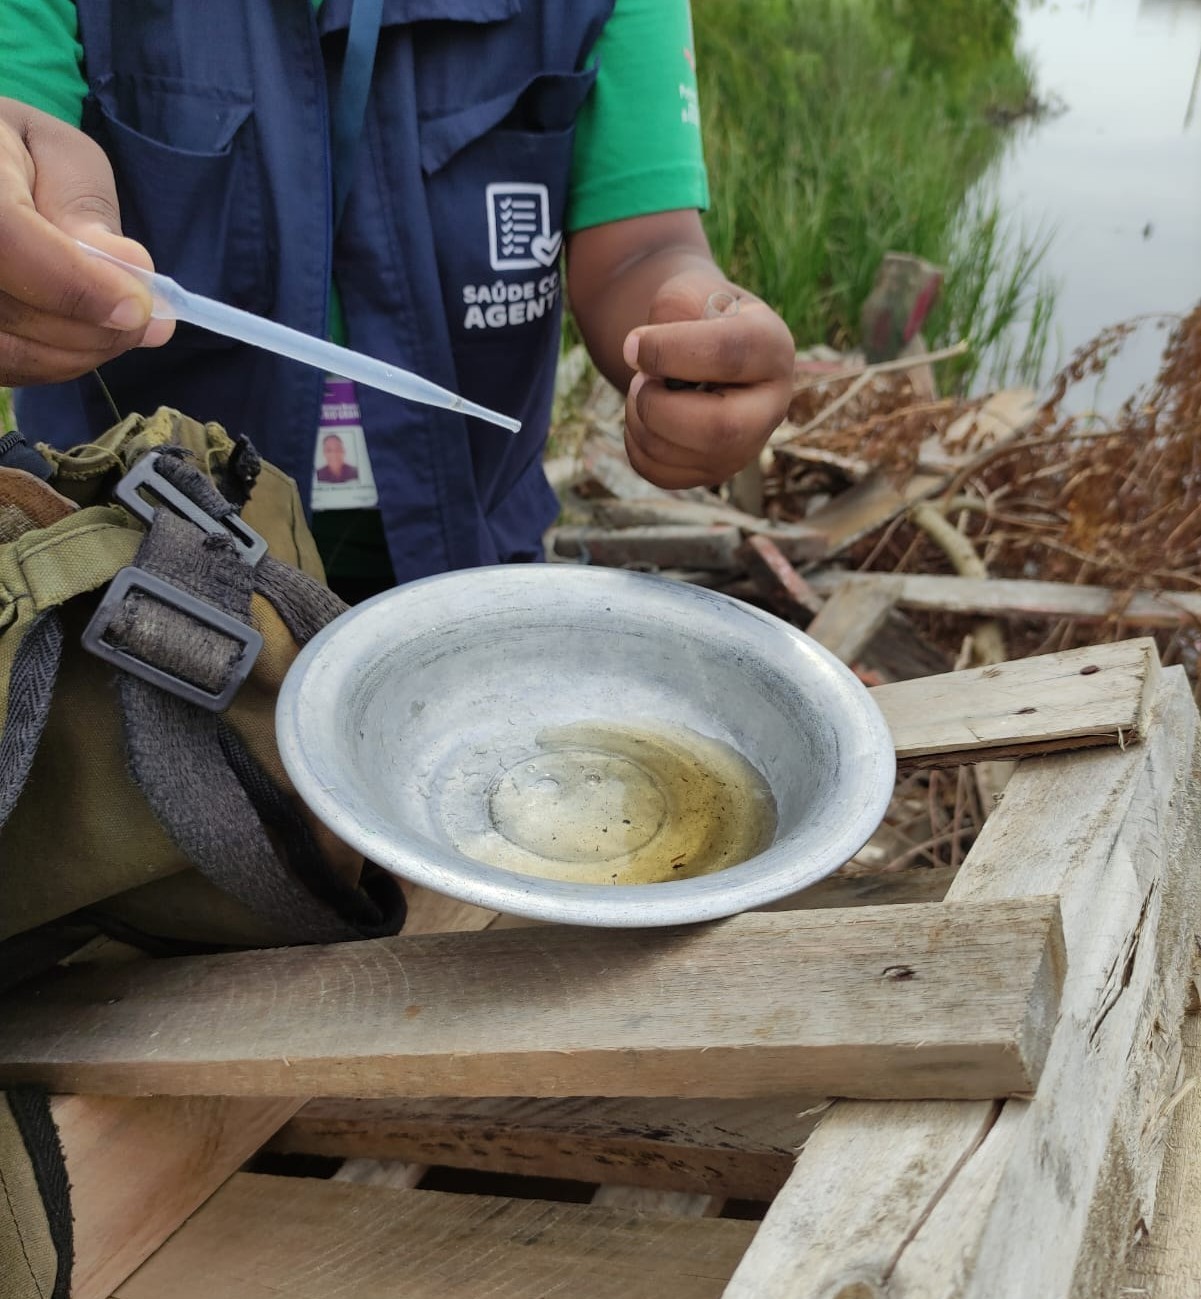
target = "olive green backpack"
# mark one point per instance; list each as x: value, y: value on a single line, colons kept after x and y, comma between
x: 155, y: 586
x: 154, y: 590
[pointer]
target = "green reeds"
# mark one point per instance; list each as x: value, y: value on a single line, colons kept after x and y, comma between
x: 836, y: 132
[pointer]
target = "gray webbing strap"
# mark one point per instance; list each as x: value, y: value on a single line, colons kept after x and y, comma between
x: 30, y: 689
x: 36, y: 1227
x: 304, y: 605
x: 175, y: 748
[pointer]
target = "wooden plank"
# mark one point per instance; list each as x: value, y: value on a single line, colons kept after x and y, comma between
x: 796, y: 541
x: 928, y: 1001
x: 873, y: 888
x: 436, y: 913
x: 172, y: 1152
x: 1075, y: 699
x: 397, y: 1174
x: 670, y: 1204
x: 850, y: 618
x: 713, y: 548
x: 868, y: 505
x: 266, y: 1237
x: 1010, y: 598
x: 670, y: 511
x: 1007, y: 1201
x: 741, y: 1149
x: 140, y: 1167
x: 1166, y: 1264
x: 773, y: 575
x: 1002, y: 418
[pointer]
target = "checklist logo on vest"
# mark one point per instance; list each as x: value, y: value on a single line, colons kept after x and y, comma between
x: 519, y: 233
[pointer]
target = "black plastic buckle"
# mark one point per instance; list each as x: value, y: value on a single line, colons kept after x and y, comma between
x: 138, y: 579
x: 144, y: 476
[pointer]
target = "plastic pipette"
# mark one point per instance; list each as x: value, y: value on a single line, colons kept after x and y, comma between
x: 173, y: 302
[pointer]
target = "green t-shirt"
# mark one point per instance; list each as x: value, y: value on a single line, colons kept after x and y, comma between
x: 637, y: 143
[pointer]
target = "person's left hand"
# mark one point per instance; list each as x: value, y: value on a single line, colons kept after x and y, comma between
x: 689, y: 438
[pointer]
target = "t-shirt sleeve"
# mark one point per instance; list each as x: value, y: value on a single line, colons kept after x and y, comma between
x: 43, y: 59
x: 638, y: 137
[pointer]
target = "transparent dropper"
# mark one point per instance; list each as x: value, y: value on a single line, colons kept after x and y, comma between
x: 172, y: 302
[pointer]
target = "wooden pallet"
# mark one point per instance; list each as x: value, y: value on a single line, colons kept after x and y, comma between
x: 1015, y: 1046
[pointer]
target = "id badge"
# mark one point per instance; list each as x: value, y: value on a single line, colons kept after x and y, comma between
x: 342, y: 477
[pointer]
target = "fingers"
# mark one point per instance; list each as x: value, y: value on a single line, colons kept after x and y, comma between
x: 23, y: 362
x: 62, y: 312
x: 752, y: 347
x: 695, y: 439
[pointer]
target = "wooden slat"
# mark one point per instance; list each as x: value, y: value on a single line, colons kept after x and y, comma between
x: 871, y: 889
x: 139, y: 1166
x: 670, y: 1204
x: 773, y: 575
x: 865, y: 507
x: 742, y: 1149
x: 1167, y: 1263
x: 883, y: 888
x: 1009, y: 598
x: 927, y: 1001
x: 1075, y: 699
x: 1025, y: 1198
x: 397, y: 1174
x: 267, y: 1237
x: 851, y: 617
x: 712, y: 547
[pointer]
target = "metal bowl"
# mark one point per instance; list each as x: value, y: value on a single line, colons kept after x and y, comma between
x: 512, y: 713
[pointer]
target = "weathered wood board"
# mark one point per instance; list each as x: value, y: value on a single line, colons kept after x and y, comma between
x: 1024, y: 1198
x: 1166, y: 1264
x: 711, y: 547
x: 267, y: 1237
x: 997, y: 597
x: 1074, y: 699
x: 867, y: 506
x: 139, y: 1166
x: 644, y: 1200
x: 928, y: 1001
x: 175, y: 1151
x: 743, y: 1149
x: 851, y: 617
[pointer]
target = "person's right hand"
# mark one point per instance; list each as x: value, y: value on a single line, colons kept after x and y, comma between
x: 62, y: 312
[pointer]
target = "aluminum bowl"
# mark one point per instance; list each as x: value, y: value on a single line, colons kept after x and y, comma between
x: 399, y: 719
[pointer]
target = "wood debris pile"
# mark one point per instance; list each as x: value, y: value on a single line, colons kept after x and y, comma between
x: 911, y: 532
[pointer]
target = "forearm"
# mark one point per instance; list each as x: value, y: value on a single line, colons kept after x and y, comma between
x: 615, y: 272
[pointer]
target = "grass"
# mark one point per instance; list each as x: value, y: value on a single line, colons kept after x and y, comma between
x: 838, y: 130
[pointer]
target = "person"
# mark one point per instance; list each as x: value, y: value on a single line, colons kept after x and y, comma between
x: 423, y: 221
x: 335, y: 469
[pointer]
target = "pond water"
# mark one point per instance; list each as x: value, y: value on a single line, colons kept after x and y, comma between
x: 1115, y: 177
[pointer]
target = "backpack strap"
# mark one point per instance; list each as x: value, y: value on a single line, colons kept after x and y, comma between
x: 27, y: 504
x: 36, y: 1230
x: 179, y: 622
x: 30, y: 690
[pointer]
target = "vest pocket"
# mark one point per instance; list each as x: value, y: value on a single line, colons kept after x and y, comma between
x: 186, y: 164
x: 545, y: 105
x: 497, y: 180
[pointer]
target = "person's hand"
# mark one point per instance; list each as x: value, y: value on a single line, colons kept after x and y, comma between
x: 684, y: 437
x: 62, y: 312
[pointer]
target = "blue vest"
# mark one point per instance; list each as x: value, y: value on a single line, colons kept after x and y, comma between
x: 215, y: 117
